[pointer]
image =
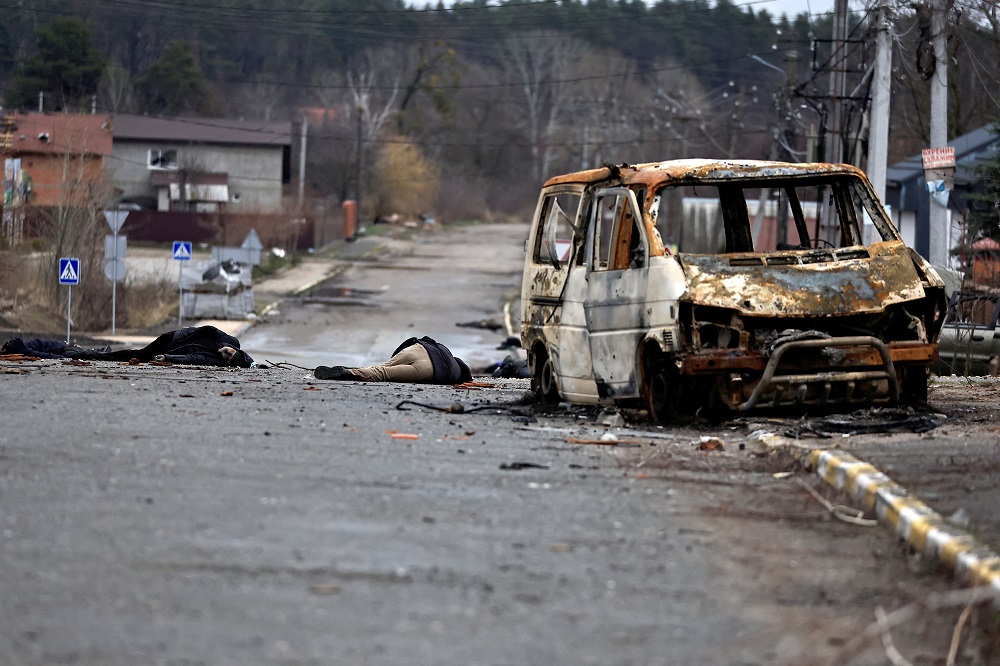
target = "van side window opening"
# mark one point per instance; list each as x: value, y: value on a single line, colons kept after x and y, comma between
x: 608, y: 211
x: 558, y: 233
x: 620, y: 242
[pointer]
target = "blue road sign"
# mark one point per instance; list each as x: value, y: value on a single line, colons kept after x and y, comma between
x: 182, y: 250
x: 69, y: 270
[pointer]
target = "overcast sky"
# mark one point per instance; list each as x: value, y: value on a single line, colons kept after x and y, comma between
x: 776, y: 7
x: 791, y: 7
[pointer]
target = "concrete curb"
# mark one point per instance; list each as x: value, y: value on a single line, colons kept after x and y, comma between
x: 898, y: 510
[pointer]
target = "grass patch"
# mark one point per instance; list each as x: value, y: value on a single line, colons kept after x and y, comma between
x: 271, y: 264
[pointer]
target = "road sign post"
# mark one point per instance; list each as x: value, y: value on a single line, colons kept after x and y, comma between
x: 69, y: 274
x: 182, y: 253
x: 115, y: 218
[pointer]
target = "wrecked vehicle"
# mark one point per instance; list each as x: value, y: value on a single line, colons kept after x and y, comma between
x: 683, y: 285
x: 970, y: 339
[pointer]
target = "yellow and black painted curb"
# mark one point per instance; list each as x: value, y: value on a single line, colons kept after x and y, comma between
x: 899, y: 510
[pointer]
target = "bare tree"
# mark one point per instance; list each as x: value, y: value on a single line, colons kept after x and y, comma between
x: 116, y: 91
x: 683, y: 113
x: 539, y: 64
x: 373, y: 89
x: 261, y: 98
x: 607, y: 107
x: 328, y: 88
x: 74, y: 226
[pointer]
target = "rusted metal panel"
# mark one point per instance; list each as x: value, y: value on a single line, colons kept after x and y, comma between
x: 857, y: 285
x: 714, y: 361
x: 700, y: 169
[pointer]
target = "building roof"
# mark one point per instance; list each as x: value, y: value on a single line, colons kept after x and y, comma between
x: 59, y: 134
x: 128, y: 127
x: 969, y: 149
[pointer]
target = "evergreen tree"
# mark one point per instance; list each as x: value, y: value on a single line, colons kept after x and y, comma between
x: 66, y: 68
x: 174, y: 84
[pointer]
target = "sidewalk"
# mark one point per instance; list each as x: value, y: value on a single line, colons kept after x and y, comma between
x: 869, y: 474
x: 306, y: 274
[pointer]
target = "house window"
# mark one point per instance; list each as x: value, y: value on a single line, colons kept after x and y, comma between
x: 162, y: 159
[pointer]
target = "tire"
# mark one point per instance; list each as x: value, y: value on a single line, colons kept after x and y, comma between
x: 544, y: 380
x: 913, y: 386
x: 665, y: 398
x: 661, y: 397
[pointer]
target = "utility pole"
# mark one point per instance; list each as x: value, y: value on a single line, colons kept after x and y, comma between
x: 359, y: 161
x: 838, y: 81
x: 302, y: 160
x: 838, y: 89
x: 938, y: 247
x: 878, y: 123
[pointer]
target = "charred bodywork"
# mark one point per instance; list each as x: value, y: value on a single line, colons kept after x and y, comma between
x: 740, y: 285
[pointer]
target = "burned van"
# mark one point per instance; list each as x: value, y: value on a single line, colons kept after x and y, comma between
x: 731, y: 285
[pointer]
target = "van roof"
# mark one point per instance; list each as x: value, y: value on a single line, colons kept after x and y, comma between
x: 694, y: 170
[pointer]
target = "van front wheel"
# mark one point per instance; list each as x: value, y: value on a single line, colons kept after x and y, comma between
x: 662, y: 396
x: 544, y: 380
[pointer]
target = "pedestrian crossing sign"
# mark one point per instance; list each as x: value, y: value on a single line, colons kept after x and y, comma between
x: 182, y: 250
x: 69, y: 271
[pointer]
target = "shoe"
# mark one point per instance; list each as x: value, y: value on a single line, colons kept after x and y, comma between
x: 333, y: 372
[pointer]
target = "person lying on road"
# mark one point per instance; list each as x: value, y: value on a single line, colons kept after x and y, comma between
x: 195, y: 345
x: 418, y: 361
x: 42, y: 348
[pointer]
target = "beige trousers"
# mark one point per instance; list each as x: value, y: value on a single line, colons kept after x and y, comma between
x: 409, y: 365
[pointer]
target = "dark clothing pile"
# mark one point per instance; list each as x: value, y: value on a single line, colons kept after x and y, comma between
x: 511, y: 367
x: 447, y: 368
x: 196, y: 345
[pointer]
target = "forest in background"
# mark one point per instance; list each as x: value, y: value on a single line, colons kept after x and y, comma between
x: 463, y: 111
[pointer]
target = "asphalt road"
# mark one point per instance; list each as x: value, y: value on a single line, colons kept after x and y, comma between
x: 179, y: 515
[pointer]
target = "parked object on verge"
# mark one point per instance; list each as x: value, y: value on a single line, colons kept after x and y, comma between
x: 217, y: 289
x: 634, y: 295
x: 417, y: 360
x: 970, y: 340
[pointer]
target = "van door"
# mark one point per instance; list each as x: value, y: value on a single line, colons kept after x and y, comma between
x: 617, y: 276
x: 555, y: 241
x: 554, y: 289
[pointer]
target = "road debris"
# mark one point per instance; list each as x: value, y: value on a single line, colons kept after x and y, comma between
x: 607, y: 439
x: 839, y: 511
x: 522, y: 465
x: 866, y: 421
x: 489, y: 324
x: 17, y: 358
x: 707, y: 443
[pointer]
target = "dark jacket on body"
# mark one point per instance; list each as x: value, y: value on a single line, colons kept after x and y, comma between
x: 196, y: 345
x: 447, y: 368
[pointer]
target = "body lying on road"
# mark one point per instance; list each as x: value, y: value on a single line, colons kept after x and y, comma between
x: 196, y: 345
x: 418, y: 361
